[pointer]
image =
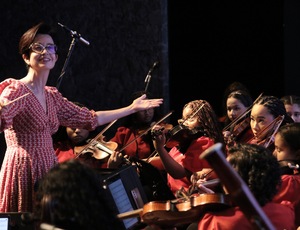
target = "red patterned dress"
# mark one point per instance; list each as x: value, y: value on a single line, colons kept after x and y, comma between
x: 28, y: 130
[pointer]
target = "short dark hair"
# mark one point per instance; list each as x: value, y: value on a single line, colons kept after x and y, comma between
x: 258, y: 168
x: 71, y: 196
x: 28, y: 37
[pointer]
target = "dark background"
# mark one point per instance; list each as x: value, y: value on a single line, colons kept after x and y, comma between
x: 201, y: 46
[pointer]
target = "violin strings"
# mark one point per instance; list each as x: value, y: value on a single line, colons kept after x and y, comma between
x: 193, y: 114
x: 206, y: 174
x: 95, y: 139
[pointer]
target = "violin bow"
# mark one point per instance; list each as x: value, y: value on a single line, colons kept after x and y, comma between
x: 237, y: 188
x: 242, y: 115
x: 106, y: 149
x: 266, y: 130
x: 153, y: 154
x: 271, y: 139
x: 147, y: 130
x: 14, y: 100
x: 191, y: 116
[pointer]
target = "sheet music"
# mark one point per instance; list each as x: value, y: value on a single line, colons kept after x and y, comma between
x: 4, y: 223
x: 122, y: 201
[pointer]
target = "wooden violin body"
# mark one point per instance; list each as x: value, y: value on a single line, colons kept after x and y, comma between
x: 266, y: 136
x: 181, y: 211
x: 239, y: 129
x: 241, y: 133
x: 98, y: 149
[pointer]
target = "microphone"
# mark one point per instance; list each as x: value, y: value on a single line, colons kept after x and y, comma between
x: 148, y: 76
x: 75, y: 34
x: 151, y: 70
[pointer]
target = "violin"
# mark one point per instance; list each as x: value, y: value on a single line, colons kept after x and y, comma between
x: 98, y: 149
x: 181, y: 134
x: 241, y: 132
x: 237, y: 188
x: 180, y: 211
x: 165, y: 127
x: 266, y: 136
x: 238, y: 125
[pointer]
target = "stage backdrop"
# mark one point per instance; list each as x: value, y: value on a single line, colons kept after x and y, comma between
x: 126, y: 38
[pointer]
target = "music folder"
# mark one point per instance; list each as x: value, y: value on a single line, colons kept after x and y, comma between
x: 125, y: 192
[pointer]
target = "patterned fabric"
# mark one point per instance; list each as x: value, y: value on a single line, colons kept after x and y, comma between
x: 28, y: 130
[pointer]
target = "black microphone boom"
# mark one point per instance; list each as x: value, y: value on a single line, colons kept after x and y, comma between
x: 152, y: 68
x: 148, y: 76
x: 75, y: 34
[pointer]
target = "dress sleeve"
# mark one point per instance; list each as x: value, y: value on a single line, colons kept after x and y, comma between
x: 70, y: 114
x: 11, y: 89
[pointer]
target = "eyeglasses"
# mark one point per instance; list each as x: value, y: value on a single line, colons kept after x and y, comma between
x: 39, y: 48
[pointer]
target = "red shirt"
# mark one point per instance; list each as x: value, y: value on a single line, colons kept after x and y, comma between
x: 290, y: 191
x: 189, y: 160
x: 281, y: 216
x: 140, y: 148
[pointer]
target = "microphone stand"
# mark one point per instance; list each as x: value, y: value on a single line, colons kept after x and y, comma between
x: 148, y: 76
x: 147, y: 81
x: 63, y: 71
x: 76, y: 37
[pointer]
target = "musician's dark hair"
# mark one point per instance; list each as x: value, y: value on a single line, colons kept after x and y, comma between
x: 234, y: 86
x: 28, y: 37
x: 290, y: 100
x: 290, y: 134
x: 243, y: 96
x: 275, y: 107
x: 258, y: 168
x: 207, y: 119
x: 70, y: 196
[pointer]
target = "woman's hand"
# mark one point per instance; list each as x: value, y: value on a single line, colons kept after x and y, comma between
x: 141, y: 103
